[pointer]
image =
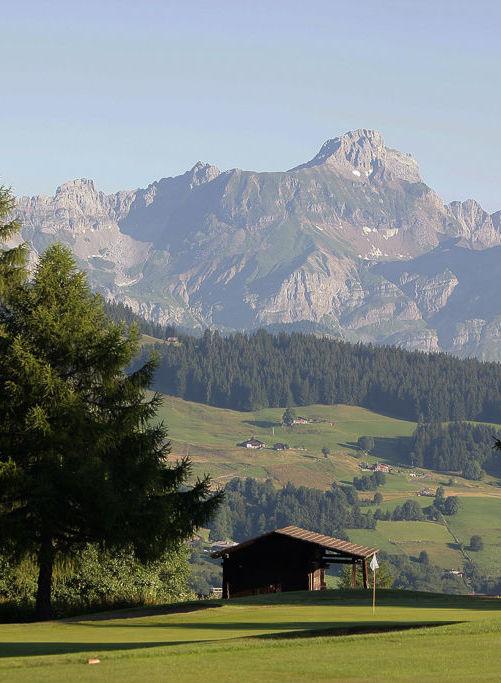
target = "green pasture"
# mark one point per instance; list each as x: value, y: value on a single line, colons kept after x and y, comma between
x: 480, y: 516
x: 330, y: 635
x: 410, y: 538
x: 209, y: 435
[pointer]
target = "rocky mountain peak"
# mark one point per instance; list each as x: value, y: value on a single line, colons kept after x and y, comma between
x: 362, y: 152
x: 78, y: 185
x: 202, y: 173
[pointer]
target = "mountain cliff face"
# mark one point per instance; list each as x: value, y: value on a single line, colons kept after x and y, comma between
x: 352, y: 242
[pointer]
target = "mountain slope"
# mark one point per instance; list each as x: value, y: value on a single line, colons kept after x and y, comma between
x: 239, y: 249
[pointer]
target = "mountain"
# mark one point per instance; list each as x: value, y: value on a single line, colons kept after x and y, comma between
x: 351, y: 243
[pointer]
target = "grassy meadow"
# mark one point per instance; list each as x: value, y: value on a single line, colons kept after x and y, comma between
x: 268, y: 638
x: 210, y: 436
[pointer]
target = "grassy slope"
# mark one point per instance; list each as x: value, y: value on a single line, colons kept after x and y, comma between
x: 210, y: 436
x: 252, y: 637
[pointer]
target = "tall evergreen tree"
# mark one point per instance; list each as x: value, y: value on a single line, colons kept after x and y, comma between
x: 13, y: 259
x: 81, y: 458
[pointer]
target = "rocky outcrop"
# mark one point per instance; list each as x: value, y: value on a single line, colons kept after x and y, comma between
x: 430, y: 293
x: 476, y: 227
x: 352, y: 241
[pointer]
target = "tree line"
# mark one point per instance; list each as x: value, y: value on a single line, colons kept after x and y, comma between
x: 251, y: 507
x: 456, y: 447
x: 252, y: 371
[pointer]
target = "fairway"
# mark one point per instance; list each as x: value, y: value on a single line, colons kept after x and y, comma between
x: 266, y: 638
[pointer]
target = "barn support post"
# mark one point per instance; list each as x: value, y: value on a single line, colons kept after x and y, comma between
x: 365, y: 573
x: 353, y: 574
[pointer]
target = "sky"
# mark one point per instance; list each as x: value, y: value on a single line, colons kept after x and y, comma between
x: 126, y: 92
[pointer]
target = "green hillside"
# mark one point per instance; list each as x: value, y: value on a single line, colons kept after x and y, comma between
x: 210, y: 436
x: 266, y: 639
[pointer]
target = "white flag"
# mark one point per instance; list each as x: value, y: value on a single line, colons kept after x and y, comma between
x: 374, y: 563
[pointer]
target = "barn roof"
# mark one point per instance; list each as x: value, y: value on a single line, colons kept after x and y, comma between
x: 327, y: 542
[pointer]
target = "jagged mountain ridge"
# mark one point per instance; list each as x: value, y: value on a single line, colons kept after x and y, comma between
x: 240, y: 249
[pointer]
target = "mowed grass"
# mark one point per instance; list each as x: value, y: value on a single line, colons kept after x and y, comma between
x: 284, y: 637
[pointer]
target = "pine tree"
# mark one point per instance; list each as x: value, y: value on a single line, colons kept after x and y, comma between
x: 13, y: 259
x: 82, y: 459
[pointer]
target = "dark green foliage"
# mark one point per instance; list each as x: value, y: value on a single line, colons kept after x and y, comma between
x: 12, y: 260
x: 408, y: 511
x: 369, y: 482
x: 246, y: 372
x: 205, y: 572
x: 424, y: 557
x: 457, y: 446
x: 366, y: 443
x: 472, y: 470
x: 326, y: 451
x: 451, y: 505
x: 378, y: 498
x: 119, y: 312
x: 384, y: 578
x: 80, y: 459
x: 422, y: 576
x: 251, y: 508
x: 400, y: 571
x: 95, y: 579
x: 476, y: 543
x: 288, y: 417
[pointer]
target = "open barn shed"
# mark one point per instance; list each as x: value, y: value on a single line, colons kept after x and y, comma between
x: 288, y: 559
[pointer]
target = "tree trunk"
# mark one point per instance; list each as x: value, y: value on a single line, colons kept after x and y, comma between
x: 46, y: 554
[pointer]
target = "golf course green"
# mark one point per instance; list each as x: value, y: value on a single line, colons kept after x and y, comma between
x: 329, y: 635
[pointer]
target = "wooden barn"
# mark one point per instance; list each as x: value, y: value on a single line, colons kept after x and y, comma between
x: 288, y: 559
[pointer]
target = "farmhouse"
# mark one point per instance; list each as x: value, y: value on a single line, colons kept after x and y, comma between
x: 252, y: 443
x: 287, y: 559
x: 300, y: 420
x: 381, y: 467
x: 280, y: 447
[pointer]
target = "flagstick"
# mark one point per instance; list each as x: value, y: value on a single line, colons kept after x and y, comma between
x: 374, y: 593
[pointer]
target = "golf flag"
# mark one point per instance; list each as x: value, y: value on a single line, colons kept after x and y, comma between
x: 374, y: 565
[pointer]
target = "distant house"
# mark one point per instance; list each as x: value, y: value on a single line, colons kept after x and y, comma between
x: 300, y: 420
x: 280, y: 446
x: 218, y: 546
x: 453, y: 572
x: 426, y: 492
x: 252, y: 443
x: 381, y: 467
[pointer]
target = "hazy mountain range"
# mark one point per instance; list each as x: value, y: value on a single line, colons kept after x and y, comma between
x: 353, y: 243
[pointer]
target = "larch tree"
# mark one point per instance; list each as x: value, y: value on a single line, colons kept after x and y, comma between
x: 82, y: 457
x: 12, y: 257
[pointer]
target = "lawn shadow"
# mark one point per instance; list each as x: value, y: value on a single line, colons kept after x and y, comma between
x: 30, y: 649
x: 350, y: 630
x: 139, y: 612
x: 301, y: 630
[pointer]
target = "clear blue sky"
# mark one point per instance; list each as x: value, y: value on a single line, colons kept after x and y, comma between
x: 129, y: 91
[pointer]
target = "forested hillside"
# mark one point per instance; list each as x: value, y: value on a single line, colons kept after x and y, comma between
x: 252, y: 507
x: 247, y: 372
x: 459, y: 447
